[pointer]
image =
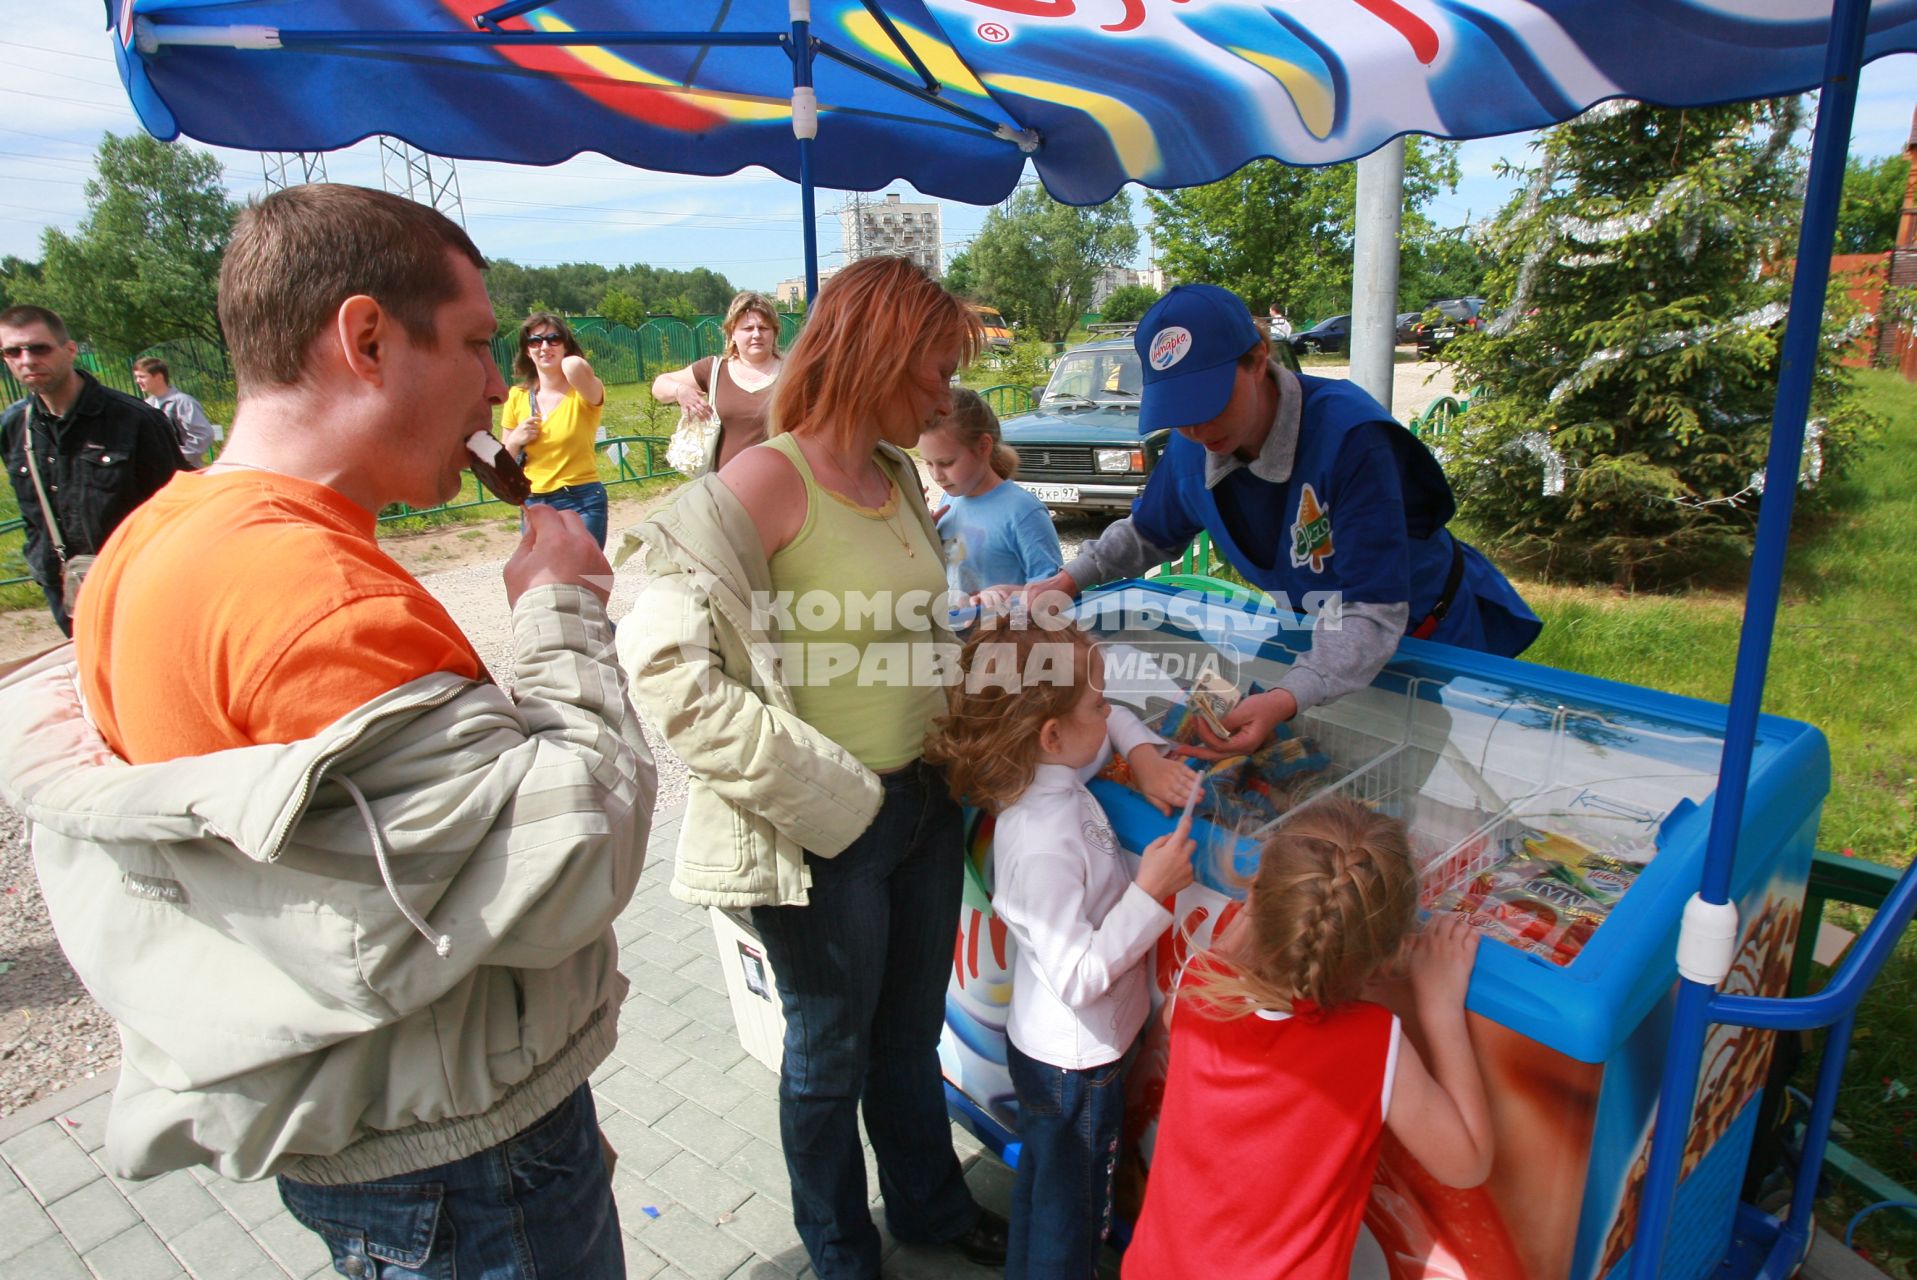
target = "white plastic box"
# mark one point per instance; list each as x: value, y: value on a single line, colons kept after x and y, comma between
x: 750, y: 987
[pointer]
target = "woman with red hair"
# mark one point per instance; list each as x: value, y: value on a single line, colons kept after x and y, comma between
x: 788, y: 648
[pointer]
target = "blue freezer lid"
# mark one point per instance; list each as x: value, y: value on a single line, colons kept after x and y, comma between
x: 1468, y: 748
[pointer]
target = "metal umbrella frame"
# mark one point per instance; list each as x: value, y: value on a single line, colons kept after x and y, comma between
x: 1710, y: 926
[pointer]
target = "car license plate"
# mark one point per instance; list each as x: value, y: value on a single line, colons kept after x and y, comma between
x: 1447, y: 334
x: 1061, y: 493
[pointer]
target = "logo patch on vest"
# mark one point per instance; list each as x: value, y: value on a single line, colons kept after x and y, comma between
x: 153, y: 888
x: 1311, y: 533
x: 1169, y: 346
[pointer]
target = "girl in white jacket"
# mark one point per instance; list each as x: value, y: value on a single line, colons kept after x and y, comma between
x: 1029, y: 725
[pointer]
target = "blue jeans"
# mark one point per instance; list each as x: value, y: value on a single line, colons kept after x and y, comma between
x: 536, y: 1207
x: 588, y: 500
x: 1068, y: 1127
x: 861, y: 971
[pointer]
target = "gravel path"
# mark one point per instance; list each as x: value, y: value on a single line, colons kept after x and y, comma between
x: 52, y: 1034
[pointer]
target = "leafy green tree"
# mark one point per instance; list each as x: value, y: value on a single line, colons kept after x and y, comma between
x: 1037, y: 260
x: 144, y: 265
x: 17, y: 279
x: 620, y: 307
x: 960, y: 278
x: 1273, y: 233
x: 1873, y: 198
x: 1128, y: 304
x: 1623, y: 396
x: 1444, y: 264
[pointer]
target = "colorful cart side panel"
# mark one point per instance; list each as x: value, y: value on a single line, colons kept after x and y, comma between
x: 978, y: 998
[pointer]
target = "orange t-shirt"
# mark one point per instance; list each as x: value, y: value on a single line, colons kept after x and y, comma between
x: 249, y: 607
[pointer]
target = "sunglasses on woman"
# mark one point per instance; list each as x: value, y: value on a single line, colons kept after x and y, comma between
x: 544, y: 339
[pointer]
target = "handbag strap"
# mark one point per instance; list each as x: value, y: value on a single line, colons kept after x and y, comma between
x: 33, y: 469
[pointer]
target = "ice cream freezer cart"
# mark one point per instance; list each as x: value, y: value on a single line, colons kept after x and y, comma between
x: 1489, y: 762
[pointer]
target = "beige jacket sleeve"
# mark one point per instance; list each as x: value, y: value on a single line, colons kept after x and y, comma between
x: 753, y: 753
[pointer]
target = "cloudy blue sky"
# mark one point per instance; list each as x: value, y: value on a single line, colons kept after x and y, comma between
x: 60, y: 93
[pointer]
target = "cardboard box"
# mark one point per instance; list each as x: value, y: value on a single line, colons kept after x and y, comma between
x: 750, y: 987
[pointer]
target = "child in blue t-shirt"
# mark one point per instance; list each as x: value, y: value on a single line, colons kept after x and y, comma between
x: 994, y: 532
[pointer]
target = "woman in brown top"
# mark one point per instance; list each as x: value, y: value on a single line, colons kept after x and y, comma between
x: 746, y: 373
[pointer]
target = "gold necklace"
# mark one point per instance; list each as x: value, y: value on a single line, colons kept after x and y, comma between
x: 897, y: 496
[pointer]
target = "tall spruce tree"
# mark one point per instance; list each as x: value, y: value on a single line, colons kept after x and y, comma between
x: 1622, y: 395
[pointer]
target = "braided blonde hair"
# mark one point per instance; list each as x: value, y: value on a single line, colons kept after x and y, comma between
x: 1334, y: 897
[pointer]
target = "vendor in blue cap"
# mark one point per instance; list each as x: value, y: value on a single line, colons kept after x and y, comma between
x: 1306, y: 485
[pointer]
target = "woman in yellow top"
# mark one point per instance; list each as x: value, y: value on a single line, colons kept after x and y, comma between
x: 552, y: 418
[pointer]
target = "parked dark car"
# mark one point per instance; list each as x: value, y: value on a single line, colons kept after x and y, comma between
x: 1454, y: 316
x: 1327, y: 336
x: 1080, y: 449
x: 1406, y: 329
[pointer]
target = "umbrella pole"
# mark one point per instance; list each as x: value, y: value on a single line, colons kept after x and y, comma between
x: 1708, y: 938
x: 805, y: 127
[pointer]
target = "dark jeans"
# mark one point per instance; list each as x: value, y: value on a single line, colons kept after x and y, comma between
x: 1068, y: 1128
x: 862, y: 971
x: 588, y: 500
x: 536, y: 1207
x: 58, y: 606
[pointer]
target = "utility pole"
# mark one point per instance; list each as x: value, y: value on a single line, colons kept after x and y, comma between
x: 1374, y: 273
x: 407, y: 171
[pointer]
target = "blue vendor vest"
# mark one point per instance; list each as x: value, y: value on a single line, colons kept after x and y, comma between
x: 1362, y: 514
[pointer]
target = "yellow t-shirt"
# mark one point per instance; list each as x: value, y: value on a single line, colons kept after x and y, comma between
x: 563, y: 454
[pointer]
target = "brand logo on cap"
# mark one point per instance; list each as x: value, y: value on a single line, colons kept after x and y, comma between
x: 1170, y: 346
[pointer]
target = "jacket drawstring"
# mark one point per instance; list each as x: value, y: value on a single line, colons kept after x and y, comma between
x: 442, y: 943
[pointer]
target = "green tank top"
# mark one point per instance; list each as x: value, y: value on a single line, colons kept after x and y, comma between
x: 856, y: 595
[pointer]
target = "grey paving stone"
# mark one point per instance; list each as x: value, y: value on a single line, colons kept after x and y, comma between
x: 688, y: 926
x: 649, y: 1057
x: 766, y: 1225
x: 641, y: 1262
x: 629, y: 930
x: 709, y: 1087
x: 51, y: 1259
x: 650, y: 979
x: 763, y: 1269
x: 604, y: 1069
x: 7, y: 1180
x: 663, y: 952
x: 295, y: 1248
x: 756, y: 1076
x: 758, y: 1115
x: 50, y: 1163
x: 86, y: 1124
x: 695, y: 1247
x: 633, y: 1196
x: 714, y: 1046
x: 134, y: 1254
x: 172, y: 1203
x: 709, y: 1007
x: 219, y: 1248
x: 761, y: 1166
x: 251, y: 1202
x: 23, y: 1223
x: 704, y: 969
x: 642, y: 1015
x: 92, y: 1215
x: 641, y: 1148
x: 638, y: 1094
x: 698, y: 1186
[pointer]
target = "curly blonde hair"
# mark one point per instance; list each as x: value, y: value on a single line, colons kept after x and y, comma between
x: 1333, y: 899
x: 1008, y: 687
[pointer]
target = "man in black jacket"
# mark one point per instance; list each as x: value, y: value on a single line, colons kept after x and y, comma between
x: 100, y: 453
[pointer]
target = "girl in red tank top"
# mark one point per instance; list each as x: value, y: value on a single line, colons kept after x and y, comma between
x: 1282, y: 1079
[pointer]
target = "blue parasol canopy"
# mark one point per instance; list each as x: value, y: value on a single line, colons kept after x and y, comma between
x: 949, y: 95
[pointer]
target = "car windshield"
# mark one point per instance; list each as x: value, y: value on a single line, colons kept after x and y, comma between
x: 1109, y: 376
x: 1458, y: 308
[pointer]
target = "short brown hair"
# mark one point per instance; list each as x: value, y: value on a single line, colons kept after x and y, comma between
x: 25, y: 314
x: 297, y: 254
x: 862, y: 337
x: 742, y: 304
x: 987, y: 742
x: 523, y: 367
x: 153, y: 364
x: 1332, y: 901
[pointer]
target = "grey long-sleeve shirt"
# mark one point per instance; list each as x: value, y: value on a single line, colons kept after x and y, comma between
x: 1349, y: 645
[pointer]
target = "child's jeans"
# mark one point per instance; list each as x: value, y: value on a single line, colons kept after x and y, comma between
x: 1068, y: 1128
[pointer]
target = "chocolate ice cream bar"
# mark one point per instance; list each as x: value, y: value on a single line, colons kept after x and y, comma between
x: 497, y: 469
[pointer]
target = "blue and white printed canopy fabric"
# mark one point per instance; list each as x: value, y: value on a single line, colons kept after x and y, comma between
x: 1167, y: 93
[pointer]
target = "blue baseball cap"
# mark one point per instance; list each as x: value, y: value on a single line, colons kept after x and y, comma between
x: 1189, y: 344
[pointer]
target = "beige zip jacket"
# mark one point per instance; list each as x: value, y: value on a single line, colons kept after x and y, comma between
x: 278, y: 1011
x: 765, y: 786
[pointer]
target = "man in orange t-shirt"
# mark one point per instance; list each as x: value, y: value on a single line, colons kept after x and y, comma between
x: 368, y: 950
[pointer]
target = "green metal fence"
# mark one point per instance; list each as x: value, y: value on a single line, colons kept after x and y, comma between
x: 1434, y: 425
x: 1007, y: 399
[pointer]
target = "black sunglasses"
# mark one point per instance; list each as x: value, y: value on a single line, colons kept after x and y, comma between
x: 544, y: 339
x: 35, y: 349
